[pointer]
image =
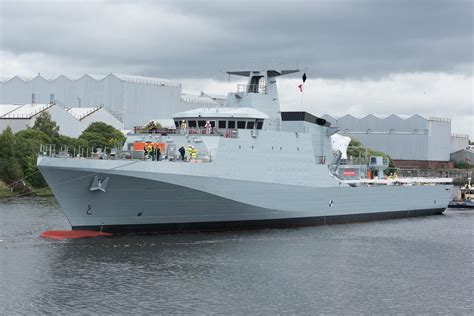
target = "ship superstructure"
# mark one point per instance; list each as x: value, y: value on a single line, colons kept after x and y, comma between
x: 246, y: 164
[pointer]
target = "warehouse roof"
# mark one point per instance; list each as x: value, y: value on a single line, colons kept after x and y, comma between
x: 123, y: 77
x: 7, y: 108
x: 81, y: 112
x: 26, y: 111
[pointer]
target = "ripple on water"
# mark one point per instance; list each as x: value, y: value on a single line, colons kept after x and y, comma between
x: 420, y: 265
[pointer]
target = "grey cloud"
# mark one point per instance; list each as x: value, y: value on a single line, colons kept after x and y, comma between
x: 198, y: 38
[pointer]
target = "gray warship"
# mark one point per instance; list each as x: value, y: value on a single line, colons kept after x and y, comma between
x: 254, y: 166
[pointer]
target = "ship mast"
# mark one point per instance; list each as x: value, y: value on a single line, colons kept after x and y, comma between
x: 260, y: 93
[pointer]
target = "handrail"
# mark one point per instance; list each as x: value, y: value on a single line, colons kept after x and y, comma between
x: 252, y: 88
x: 226, y: 132
x: 191, y: 100
x: 439, y: 119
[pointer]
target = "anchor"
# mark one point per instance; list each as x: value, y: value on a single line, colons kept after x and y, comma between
x: 99, y: 184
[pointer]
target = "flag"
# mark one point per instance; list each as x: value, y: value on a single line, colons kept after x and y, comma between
x: 301, y: 87
x: 304, y: 77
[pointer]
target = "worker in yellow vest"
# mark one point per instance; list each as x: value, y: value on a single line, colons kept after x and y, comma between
x: 189, y: 151
x: 193, y: 153
x: 150, y: 151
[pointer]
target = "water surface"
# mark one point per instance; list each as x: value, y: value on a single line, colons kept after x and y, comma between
x: 418, y: 265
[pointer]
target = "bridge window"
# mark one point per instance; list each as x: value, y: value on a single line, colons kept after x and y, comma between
x: 192, y: 124
x: 259, y: 124
x: 231, y: 124
x: 250, y: 125
x: 241, y: 124
x: 222, y: 124
x: 176, y: 123
x: 201, y: 123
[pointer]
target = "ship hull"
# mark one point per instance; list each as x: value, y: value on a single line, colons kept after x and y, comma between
x: 166, y: 201
x: 259, y: 224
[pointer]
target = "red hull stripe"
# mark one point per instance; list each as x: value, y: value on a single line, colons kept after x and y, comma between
x: 72, y: 234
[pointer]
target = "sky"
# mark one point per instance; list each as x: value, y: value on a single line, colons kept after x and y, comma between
x: 361, y: 56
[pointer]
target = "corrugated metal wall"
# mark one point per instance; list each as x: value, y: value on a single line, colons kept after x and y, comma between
x: 412, y: 138
x: 459, y: 141
x: 135, y: 101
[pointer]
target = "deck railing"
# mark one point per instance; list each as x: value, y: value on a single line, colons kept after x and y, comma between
x: 252, y: 88
x: 226, y: 132
x: 51, y: 150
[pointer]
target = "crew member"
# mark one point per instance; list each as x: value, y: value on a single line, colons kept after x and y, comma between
x: 149, y: 149
x: 189, y: 150
x: 145, y: 150
x: 183, y: 127
x: 208, y: 127
x: 182, y: 152
x: 193, y: 153
x: 158, y: 153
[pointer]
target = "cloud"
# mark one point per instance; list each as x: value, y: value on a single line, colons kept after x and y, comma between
x: 362, y: 57
x: 176, y: 39
x: 427, y: 94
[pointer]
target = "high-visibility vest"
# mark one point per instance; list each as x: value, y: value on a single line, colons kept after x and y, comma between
x: 194, y: 153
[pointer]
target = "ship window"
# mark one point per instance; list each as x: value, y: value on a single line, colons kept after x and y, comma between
x: 250, y: 125
x: 241, y: 124
x: 176, y: 123
x: 259, y: 124
x: 222, y: 124
x: 192, y: 123
x: 201, y: 123
x: 213, y: 123
x: 231, y: 124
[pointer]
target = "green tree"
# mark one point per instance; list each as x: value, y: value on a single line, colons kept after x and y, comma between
x: 356, y: 149
x: 99, y: 134
x: 72, y: 144
x: 28, y: 145
x: 10, y: 169
x: 93, y: 140
x: 45, y: 124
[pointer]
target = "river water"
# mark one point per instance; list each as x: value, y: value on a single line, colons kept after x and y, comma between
x: 418, y: 265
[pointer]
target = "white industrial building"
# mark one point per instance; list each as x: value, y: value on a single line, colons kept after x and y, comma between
x: 86, y: 116
x: 71, y: 121
x: 459, y: 141
x: 413, y: 141
x: 132, y: 99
